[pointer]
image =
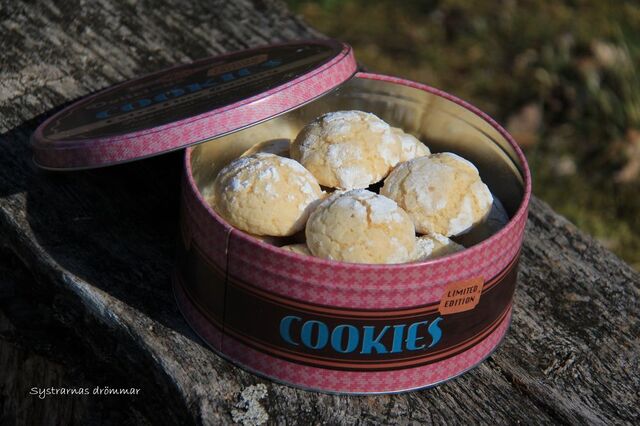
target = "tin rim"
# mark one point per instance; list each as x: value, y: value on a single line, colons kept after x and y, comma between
x: 468, y: 252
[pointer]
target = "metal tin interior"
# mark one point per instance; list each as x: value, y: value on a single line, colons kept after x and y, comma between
x: 442, y: 124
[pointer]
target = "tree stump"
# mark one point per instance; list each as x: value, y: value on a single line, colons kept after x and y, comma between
x: 85, y: 261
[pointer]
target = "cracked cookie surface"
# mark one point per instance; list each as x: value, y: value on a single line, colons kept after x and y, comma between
x: 362, y: 227
x: 347, y: 149
x: 443, y: 193
x: 264, y: 194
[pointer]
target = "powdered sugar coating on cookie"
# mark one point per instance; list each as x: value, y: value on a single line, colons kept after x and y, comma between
x: 443, y: 193
x: 264, y: 194
x: 431, y: 246
x: 347, y: 149
x: 410, y: 146
x: 362, y: 227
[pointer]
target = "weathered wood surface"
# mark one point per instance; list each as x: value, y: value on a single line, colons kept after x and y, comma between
x: 85, y: 259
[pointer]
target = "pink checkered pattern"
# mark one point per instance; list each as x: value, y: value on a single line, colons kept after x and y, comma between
x: 365, y: 286
x: 313, y: 280
x: 335, y: 380
x: 179, y: 134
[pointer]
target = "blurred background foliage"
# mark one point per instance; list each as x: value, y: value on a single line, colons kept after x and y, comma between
x: 560, y: 75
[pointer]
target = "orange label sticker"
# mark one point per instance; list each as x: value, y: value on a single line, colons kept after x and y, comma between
x: 461, y: 296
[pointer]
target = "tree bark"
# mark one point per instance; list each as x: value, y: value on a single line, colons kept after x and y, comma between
x: 85, y: 261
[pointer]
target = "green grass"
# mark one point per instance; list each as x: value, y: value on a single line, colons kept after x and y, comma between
x: 571, y: 63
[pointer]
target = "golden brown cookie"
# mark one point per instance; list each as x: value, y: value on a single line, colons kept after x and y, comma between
x: 362, y: 227
x: 443, y: 193
x: 264, y: 194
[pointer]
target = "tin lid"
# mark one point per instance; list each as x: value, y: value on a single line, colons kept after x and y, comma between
x: 190, y: 104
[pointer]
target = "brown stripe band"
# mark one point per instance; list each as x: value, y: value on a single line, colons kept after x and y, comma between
x: 376, y: 340
x: 371, y: 365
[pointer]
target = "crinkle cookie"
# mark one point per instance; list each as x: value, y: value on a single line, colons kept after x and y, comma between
x: 360, y: 226
x: 264, y: 194
x: 443, y: 193
x: 431, y: 246
x: 410, y: 146
x: 347, y: 149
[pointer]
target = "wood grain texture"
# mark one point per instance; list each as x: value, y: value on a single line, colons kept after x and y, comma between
x: 97, y: 248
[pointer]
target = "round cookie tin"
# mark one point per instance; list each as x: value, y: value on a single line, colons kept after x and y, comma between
x: 345, y: 327
x: 301, y: 320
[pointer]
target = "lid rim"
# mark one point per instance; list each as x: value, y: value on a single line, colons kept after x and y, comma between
x: 105, y: 151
